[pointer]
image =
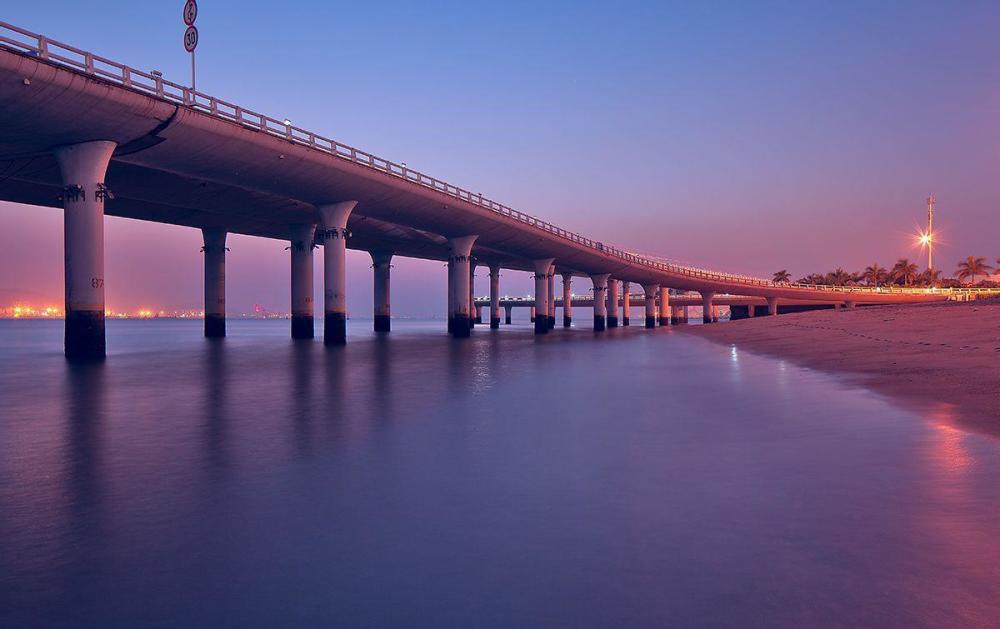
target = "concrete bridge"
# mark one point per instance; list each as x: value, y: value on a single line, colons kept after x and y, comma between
x: 97, y: 137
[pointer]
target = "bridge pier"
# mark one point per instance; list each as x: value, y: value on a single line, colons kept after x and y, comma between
x: 650, y: 291
x: 851, y: 305
x: 567, y: 285
x: 612, y: 306
x: 532, y: 315
x: 664, y: 315
x: 461, y: 262
x: 381, y: 263
x: 451, y: 296
x: 472, y: 294
x: 751, y: 308
x: 507, y: 318
x: 83, y: 167
x: 550, y: 319
x: 543, y: 267
x: 600, y: 300
x: 772, y: 306
x: 676, y: 315
x: 334, y: 235
x: 302, y: 239
x: 626, y: 302
x: 215, y: 281
x: 706, y: 306
x: 495, y: 297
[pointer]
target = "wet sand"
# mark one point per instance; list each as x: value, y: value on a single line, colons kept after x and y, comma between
x: 946, y: 353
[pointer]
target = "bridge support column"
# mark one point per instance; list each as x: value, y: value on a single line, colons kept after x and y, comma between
x: 83, y: 167
x: 626, y: 302
x: 495, y: 297
x: 472, y: 295
x: 664, y: 315
x: 334, y: 235
x: 750, y: 311
x: 479, y: 313
x: 567, y: 285
x: 707, y: 307
x: 676, y: 315
x: 461, y: 266
x: 851, y: 305
x: 550, y: 318
x: 772, y: 306
x: 542, y: 269
x: 715, y: 314
x: 451, y: 297
x: 612, y: 307
x: 600, y: 300
x: 215, y: 281
x: 837, y: 306
x: 650, y: 291
x: 507, y: 312
x: 381, y: 263
x: 302, y: 280
x: 531, y: 314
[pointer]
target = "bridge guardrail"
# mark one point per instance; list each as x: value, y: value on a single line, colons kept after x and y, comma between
x: 153, y: 84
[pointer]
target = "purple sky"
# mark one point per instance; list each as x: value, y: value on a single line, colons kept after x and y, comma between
x: 743, y: 139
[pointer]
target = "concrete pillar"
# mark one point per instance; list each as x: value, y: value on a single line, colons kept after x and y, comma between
x: 302, y: 239
x: 612, y: 305
x: 381, y: 263
x: 334, y: 236
x: 751, y: 308
x: 507, y: 318
x: 461, y: 265
x: 532, y: 315
x: 836, y: 306
x: 685, y: 314
x: 600, y: 300
x: 567, y: 279
x: 650, y: 291
x: 472, y: 294
x: 715, y: 314
x: 664, y: 314
x: 542, y: 269
x: 626, y: 305
x: 215, y: 281
x: 479, y: 313
x: 451, y: 297
x: 706, y: 306
x: 83, y: 167
x: 551, y: 298
x: 772, y: 306
x: 495, y: 296
x: 851, y: 305
x: 676, y: 315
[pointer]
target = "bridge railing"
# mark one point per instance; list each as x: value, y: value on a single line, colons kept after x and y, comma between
x: 153, y: 84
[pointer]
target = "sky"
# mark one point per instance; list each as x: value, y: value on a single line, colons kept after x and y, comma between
x: 782, y: 135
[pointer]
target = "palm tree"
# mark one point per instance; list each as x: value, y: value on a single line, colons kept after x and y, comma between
x: 904, y: 270
x: 930, y: 277
x: 782, y: 277
x: 812, y: 278
x: 874, y: 275
x: 971, y: 267
x: 838, y: 277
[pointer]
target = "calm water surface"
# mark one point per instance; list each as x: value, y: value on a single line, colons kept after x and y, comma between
x: 635, y: 479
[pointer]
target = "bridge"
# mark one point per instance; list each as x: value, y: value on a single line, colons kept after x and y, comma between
x: 95, y: 137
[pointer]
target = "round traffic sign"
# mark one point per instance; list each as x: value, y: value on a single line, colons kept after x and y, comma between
x: 190, y: 12
x: 190, y: 39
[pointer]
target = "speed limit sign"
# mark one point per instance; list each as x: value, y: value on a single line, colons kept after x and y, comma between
x: 190, y: 39
x: 190, y: 12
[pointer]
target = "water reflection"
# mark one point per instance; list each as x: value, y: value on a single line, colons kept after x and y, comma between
x: 638, y: 479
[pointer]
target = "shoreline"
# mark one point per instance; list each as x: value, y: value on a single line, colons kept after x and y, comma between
x: 924, y: 356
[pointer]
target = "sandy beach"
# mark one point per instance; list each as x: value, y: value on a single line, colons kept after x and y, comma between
x: 939, y: 356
